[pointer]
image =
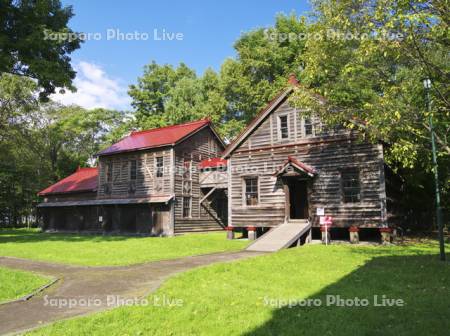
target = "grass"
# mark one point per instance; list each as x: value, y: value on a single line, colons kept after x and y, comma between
x: 230, y: 298
x: 92, y: 250
x: 15, y: 284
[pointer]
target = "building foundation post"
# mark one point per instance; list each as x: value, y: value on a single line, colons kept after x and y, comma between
x: 230, y: 232
x: 354, y: 234
x: 386, y: 235
x: 251, y: 232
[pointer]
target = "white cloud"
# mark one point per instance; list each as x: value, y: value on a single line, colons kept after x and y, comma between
x: 95, y: 89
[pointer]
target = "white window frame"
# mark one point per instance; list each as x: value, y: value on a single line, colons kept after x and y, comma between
x: 156, y: 166
x: 288, y: 126
x: 190, y: 207
x: 311, y: 120
x: 244, y: 190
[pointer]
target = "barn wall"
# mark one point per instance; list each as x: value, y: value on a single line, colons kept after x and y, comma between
x: 202, y: 145
x: 146, y: 181
x: 328, y: 152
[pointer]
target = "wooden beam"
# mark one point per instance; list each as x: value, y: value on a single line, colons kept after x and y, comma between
x: 207, y: 195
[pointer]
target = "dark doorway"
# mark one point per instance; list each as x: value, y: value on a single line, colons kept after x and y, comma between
x: 128, y: 218
x: 298, y: 198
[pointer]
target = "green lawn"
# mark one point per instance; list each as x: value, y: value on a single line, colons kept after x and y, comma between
x: 15, y: 284
x: 109, y: 250
x: 229, y: 298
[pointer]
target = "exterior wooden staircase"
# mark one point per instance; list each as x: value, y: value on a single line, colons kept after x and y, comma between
x: 281, y: 237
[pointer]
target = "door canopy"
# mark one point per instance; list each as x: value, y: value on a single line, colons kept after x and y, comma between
x: 293, y: 167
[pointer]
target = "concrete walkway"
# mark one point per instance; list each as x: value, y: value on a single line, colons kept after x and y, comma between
x: 95, y: 284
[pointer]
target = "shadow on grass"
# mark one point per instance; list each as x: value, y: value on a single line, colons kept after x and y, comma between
x: 34, y: 236
x: 422, y: 282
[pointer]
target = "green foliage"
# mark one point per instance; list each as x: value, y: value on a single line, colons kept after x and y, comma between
x: 374, y: 78
x: 265, y: 58
x: 167, y: 95
x: 41, y: 143
x: 25, y: 48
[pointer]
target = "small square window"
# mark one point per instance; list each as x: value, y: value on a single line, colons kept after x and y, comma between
x: 251, y: 190
x: 351, y: 186
x: 284, y: 127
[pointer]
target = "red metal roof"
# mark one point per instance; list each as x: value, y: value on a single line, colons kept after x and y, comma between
x: 156, y: 137
x: 212, y: 163
x: 83, y: 180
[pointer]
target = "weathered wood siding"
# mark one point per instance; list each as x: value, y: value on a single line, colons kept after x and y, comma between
x: 80, y: 196
x: 146, y: 181
x: 202, y: 145
x: 264, y: 152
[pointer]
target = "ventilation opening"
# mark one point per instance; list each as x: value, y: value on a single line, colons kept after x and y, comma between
x: 369, y: 235
x: 316, y: 234
x: 339, y: 234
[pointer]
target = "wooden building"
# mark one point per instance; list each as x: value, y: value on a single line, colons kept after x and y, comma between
x: 287, y: 167
x: 149, y: 182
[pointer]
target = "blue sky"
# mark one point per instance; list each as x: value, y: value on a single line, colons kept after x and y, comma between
x: 209, y: 29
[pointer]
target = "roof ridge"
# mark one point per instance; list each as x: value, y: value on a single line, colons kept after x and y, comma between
x: 88, y: 168
x: 203, y: 120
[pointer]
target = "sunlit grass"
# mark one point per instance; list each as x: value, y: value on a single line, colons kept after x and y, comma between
x: 93, y: 250
x: 230, y: 298
x: 16, y: 284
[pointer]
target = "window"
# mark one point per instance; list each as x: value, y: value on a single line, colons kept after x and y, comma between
x: 133, y: 170
x: 351, y: 188
x: 159, y: 166
x: 187, y: 176
x: 187, y: 169
x: 308, y: 126
x: 186, y: 207
x: 284, y: 127
x: 251, y: 190
x: 109, y: 171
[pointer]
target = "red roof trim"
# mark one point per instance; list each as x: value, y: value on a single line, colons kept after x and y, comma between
x: 83, y: 180
x: 213, y: 163
x: 297, y: 164
x: 165, y: 128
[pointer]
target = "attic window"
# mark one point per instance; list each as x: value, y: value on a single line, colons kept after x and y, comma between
x: 133, y: 170
x: 284, y: 127
x: 159, y: 166
x: 308, y: 126
x: 109, y: 171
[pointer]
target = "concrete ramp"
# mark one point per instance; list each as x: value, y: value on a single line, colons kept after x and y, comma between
x: 281, y: 236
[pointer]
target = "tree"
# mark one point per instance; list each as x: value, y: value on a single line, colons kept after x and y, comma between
x: 370, y: 63
x: 41, y: 143
x: 265, y: 58
x: 369, y: 60
x: 165, y: 95
x: 35, y: 42
x: 151, y: 93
